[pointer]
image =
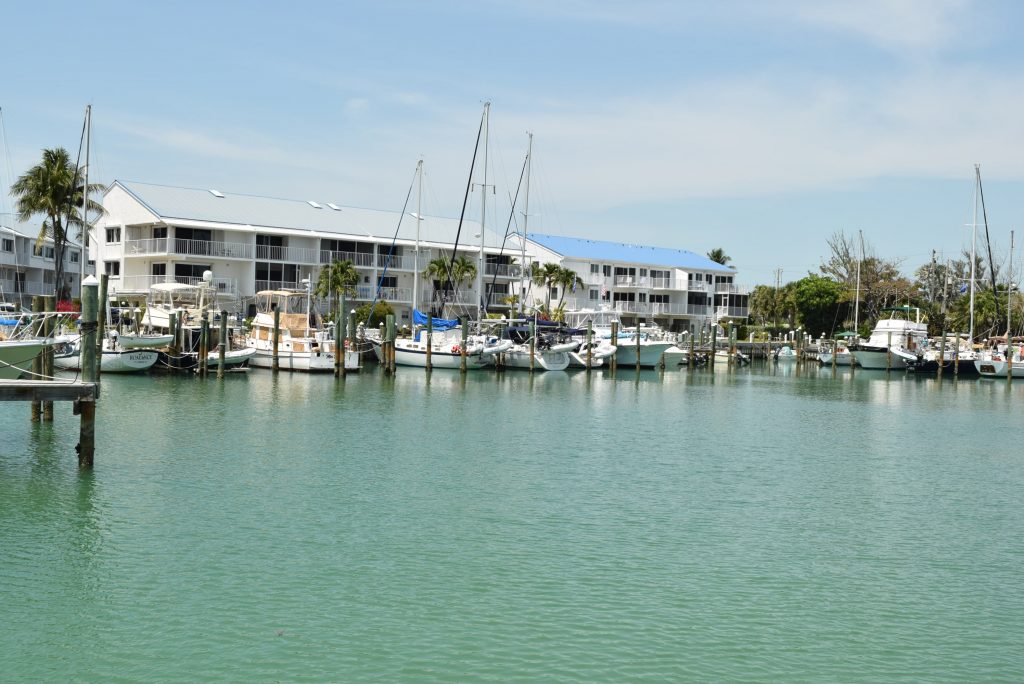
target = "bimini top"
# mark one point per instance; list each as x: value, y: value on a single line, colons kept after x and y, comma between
x: 599, y: 250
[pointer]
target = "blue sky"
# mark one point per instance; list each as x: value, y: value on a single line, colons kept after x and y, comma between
x: 758, y: 127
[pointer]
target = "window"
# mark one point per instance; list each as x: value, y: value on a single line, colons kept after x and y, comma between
x: 594, y: 294
x: 186, y: 272
x: 73, y: 257
x: 606, y: 270
x: 595, y: 268
x: 554, y: 293
x: 8, y: 245
x: 112, y: 268
x: 643, y: 272
x: 158, y: 269
x: 113, y: 235
x: 159, y: 232
x: 270, y: 246
x: 389, y: 281
x: 47, y: 277
x: 48, y: 252
x: 643, y: 297
x: 658, y: 299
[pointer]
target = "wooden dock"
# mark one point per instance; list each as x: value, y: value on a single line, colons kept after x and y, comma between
x: 46, y: 390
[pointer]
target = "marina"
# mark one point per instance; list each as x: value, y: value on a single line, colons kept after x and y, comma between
x: 684, y: 525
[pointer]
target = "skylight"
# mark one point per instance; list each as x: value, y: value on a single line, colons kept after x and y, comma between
x: 217, y: 193
x: 335, y: 207
x: 313, y: 204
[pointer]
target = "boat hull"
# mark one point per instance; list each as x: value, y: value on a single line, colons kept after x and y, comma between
x: 542, y: 360
x: 312, y: 362
x: 989, y: 368
x: 879, y: 359
x: 650, y: 353
x: 16, y: 357
x: 116, y: 361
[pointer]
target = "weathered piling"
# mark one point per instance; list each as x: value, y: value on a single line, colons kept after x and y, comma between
x: 835, y: 353
x: 636, y: 336
x: 615, y: 341
x: 102, y: 306
x: 222, y: 343
x: 888, y: 352
x: 590, y: 351
x: 389, y: 356
x: 49, y: 328
x: 430, y: 335
x: 339, y: 346
x: 693, y: 351
x: 942, y: 352
x: 37, y: 362
x: 352, y: 330
x: 463, y: 325
x: 90, y: 373
x: 204, y: 344
x: 714, y: 344
x: 172, y: 328
x: 533, y: 344
x: 276, y: 363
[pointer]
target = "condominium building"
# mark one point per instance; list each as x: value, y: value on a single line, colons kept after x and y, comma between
x: 27, y: 270
x: 677, y: 289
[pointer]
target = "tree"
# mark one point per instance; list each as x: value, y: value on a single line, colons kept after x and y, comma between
x: 463, y: 269
x: 820, y: 304
x: 337, y: 278
x: 54, y: 189
x: 719, y: 256
x: 380, y: 311
x: 545, y: 275
x: 881, y: 284
x: 566, y: 279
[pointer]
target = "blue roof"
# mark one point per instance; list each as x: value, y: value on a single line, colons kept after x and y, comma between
x: 599, y: 250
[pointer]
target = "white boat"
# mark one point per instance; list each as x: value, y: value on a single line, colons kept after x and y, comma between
x: 445, y: 349
x: 649, y: 351
x: 16, y: 356
x: 132, y: 340
x: 894, y: 342
x: 785, y: 353
x: 233, y: 358
x: 188, y: 302
x: 601, y: 351
x: 543, y: 359
x: 841, y: 352
x: 1001, y: 361
x: 114, y: 359
x: 300, y: 345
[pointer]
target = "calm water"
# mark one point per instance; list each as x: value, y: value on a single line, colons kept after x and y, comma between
x: 726, y: 526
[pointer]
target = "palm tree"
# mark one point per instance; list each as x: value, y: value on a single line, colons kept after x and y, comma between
x: 719, y: 256
x: 336, y: 278
x: 568, y: 279
x: 53, y: 188
x: 462, y: 270
x: 545, y: 275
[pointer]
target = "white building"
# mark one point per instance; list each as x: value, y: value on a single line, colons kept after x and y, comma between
x: 152, y: 233
x: 26, y: 271
x: 676, y: 289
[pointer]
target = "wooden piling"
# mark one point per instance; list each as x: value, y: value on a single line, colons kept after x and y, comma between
x: 615, y: 341
x: 533, y: 344
x: 389, y: 357
x: 714, y: 345
x: 637, y: 345
x: 90, y: 372
x: 204, y: 344
x: 276, y: 364
x: 888, y: 352
x: 339, y: 346
x: 49, y: 328
x: 172, y: 328
x: 464, y: 327
x: 103, y: 306
x: 37, y: 362
x: 835, y: 353
x: 352, y: 330
x: 222, y: 343
x: 430, y: 335
x: 590, y: 351
x: 942, y: 352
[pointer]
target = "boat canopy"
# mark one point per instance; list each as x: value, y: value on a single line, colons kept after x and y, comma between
x: 439, y: 324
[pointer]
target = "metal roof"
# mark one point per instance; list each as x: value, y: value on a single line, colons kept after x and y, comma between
x: 252, y: 212
x: 599, y: 250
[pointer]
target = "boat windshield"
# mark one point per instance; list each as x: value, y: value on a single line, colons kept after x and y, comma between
x: 286, y: 302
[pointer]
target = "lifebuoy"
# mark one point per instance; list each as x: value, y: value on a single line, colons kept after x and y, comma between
x: 455, y: 349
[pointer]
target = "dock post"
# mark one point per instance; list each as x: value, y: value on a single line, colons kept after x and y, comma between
x: 276, y: 365
x: 732, y: 348
x: 533, y: 344
x: 339, y: 345
x: 615, y: 341
x: 430, y: 335
x: 172, y: 328
x: 37, y: 362
x: 888, y: 352
x: 636, y: 335
x: 204, y: 344
x: 835, y: 353
x: 714, y: 344
x: 49, y: 328
x: 942, y: 351
x: 341, y: 334
x: 222, y: 343
x: 352, y: 330
x: 389, y: 356
x: 90, y: 372
x: 590, y: 351
x: 462, y: 347
x: 102, y: 305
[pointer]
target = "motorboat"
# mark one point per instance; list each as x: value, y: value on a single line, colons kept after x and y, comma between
x: 300, y: 345
x: 785, y: 353
x: 113, y: 359
x: 600, y: 351
x: 1001, y: 360
x: 895, y: 341
x: 16, y: 356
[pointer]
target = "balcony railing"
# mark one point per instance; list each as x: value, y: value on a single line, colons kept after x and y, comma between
x: 301, y: 255
x: 222, y: 250
x: 696, y: 286
x: 663, y: 283
x: 398, y: 262
x: 503, y: 270
x: 279, y: 285
x: 631, y: 281
x: 361, y: 259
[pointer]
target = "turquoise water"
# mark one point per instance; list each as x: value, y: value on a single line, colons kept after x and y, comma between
x: 754, y: 525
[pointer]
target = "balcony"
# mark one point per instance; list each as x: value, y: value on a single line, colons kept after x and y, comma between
x: 662, y: 284
x: 360, y: 259
x: 178, y: 246
x: 732, y: 288
x: 503, y: 270
x: 279, y: 285
x: 300, y: 255
x: 631, y: 281
x: 397, y: 262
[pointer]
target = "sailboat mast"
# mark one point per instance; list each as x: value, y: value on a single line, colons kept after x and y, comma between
x: 856, y: 298
x: 419, y: 218
x: 974, y: 241
x: 526, y: 215
x: 483, y: 219
x: 85, y: 202
x: 1009, y: 293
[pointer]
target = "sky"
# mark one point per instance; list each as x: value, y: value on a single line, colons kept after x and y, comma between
x: 762, y: 128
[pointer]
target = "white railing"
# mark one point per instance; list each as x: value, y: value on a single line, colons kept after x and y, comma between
x: 663, y: 283
x: 393, y: 294
x: 361, y: 259
x: 302, y: 255
x: 503, y: 270
x: 224, y: 250
x: 631, y: 281
x: 462, y: 297
x: 666, y: 308
x: 279, y: 285
x: 595, y: 279
x: 398, y: 262
x: 696, y: 286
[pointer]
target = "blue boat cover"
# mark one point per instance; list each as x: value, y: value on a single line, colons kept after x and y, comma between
x: 419, y: 318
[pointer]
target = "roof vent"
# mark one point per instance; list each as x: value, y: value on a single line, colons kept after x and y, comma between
x: 313, y: 204
x: 217, y: 193
x: 335, y: 207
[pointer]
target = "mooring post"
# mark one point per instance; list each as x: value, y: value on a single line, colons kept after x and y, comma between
x: 590, y: 351
x: 37, y: 362
x: 101, y: 322
x: 87, y: 406
x: 339, y: 338
x: 888, y: 352
x: 339, y: 345
x: 430, y: 336
x: 222, y: 343
x: 636, y: 337
x: 533, y: 343
x: 276, y: 364
x: 49, y: 327
x: 942, y: 352
x: 714, y: 344
x: 615, y: 341
x: 172, y: 328
x: 835, y: 353
x: 463, y: 325
x: 389, y: 356
x: 352, y: 330
x: 204, y: 344
x: 693, y: 350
